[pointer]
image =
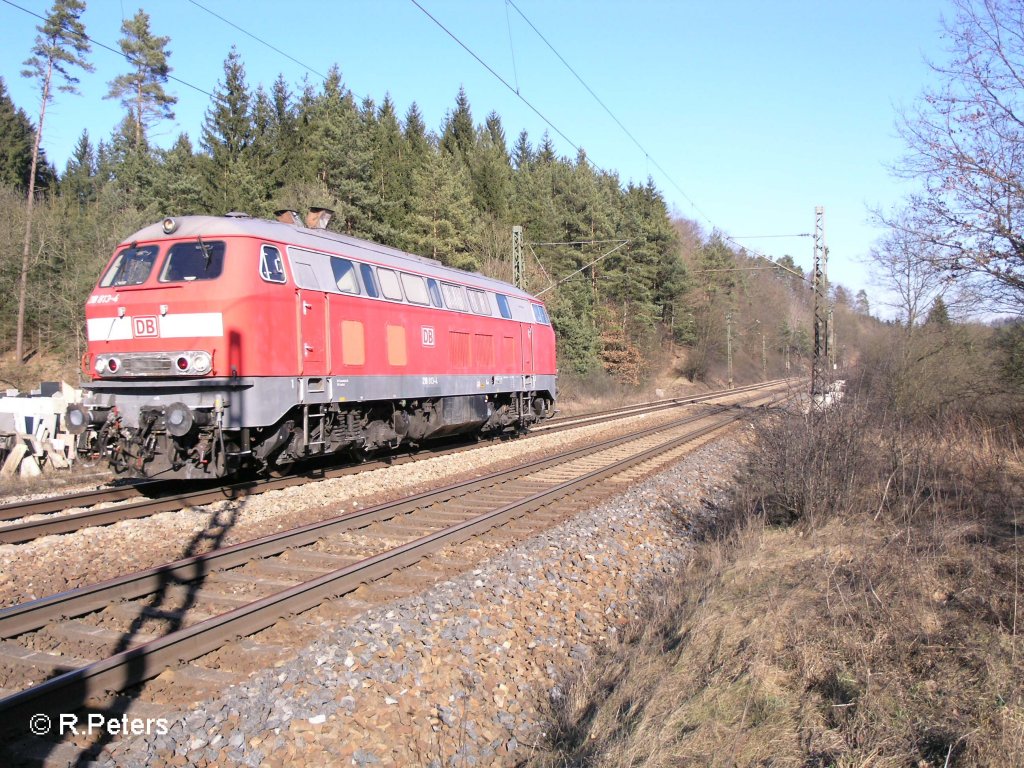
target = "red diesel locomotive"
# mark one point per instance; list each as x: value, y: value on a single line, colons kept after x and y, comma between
x: 220, y: 344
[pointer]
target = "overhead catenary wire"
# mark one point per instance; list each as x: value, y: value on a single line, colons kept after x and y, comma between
x: 512, y: 47
x: 120, y: 53
x: 611, y: 114
x: 259, y: 39
x: 539, y: 264
x: 505, y: 82
x: 764, y: 237
x: 623, y: 244
x: 725, y: 236
x: 582, y: 242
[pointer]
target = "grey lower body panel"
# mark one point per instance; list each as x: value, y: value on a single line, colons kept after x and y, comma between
x: 263, y: 401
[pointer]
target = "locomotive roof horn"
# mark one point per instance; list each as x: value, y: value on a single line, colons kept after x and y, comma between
x: 318, y: 218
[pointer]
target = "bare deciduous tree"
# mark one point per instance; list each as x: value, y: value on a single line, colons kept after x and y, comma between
x: 966, y: 145
x: 904, y: 266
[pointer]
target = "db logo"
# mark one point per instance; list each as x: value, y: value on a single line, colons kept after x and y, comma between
x: 144, y: 326
x: 428, y: 335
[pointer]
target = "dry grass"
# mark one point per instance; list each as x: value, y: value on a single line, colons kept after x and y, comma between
x: 882, y: 632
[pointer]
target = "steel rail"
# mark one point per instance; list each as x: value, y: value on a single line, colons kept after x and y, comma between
x: 142, y: 662
x: 637, y: 409
x: 54, y: 504
x: 26, y: 617
x: 20, y: 533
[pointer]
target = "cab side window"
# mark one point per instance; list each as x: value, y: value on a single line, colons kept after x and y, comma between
x: 503, y: 306
x: 369, y: 281
x: 271, y: 265
x: 435, y: 292
x: 344, y: 275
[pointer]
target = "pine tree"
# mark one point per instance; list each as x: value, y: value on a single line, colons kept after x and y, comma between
x: 938, y: 314
x: 263, y: 152
x: 283, y: 136
x: 60, y: 46
x: 227, y: 130
x: 440, y: 222
x: 79, y: 180
x: 16, y: 135
x: 336, y: 143
x: 132, y: 169
x: 178, y: 182
x: 387, y: 148
x: 459, y: 135
x: 546, y: 154
x: 492, y: 170
x: 522, y: 153
x: 227, y: 138
x: 141, y: 91
x: 415, y: 132
x: 861, y: 303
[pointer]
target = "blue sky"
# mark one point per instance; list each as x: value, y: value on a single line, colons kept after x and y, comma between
x: 757, y: 110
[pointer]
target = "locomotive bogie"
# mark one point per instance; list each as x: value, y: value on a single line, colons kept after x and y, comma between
x: 217, y: 344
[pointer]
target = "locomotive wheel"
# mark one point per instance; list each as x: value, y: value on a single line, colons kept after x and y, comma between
x: 281, y: 470
x: 357, y: 455
x: 119, y: 462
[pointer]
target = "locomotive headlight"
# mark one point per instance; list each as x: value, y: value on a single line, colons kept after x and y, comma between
x: 192, y: 363
x: 202, y: 362
x: 169, y: 226
x: 107, y: 365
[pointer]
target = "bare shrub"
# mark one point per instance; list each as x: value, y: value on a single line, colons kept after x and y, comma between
x: 859, y: 605
x: 808, y: 466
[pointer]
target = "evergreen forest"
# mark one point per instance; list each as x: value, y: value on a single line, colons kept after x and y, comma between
x: 633, y: 291
x: 639, y: 295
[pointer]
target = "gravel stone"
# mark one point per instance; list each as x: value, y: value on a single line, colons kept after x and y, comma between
x: 460, y: 675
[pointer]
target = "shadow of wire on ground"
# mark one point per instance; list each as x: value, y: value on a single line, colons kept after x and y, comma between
x: 168, y: 607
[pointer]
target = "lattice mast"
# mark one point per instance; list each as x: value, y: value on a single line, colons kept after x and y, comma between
x: 821, y: 309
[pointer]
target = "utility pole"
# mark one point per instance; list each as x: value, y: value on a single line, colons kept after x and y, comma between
x: 728, y: 344
x: 518, y: 276
x: 831, y: 343
x: 764, y: 359
x: 820, y: 303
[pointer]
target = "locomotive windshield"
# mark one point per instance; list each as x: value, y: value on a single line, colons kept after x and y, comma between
x: 131, y: 267
x: 193, y: 261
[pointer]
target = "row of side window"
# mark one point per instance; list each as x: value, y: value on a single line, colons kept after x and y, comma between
x: 345, y: 276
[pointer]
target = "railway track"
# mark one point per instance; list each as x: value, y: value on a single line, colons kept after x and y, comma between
x: 42, y: 517
x: 62, y: 652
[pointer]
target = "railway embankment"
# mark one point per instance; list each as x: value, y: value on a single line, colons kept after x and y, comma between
x: 465, y: 673
x: 861, y: 605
